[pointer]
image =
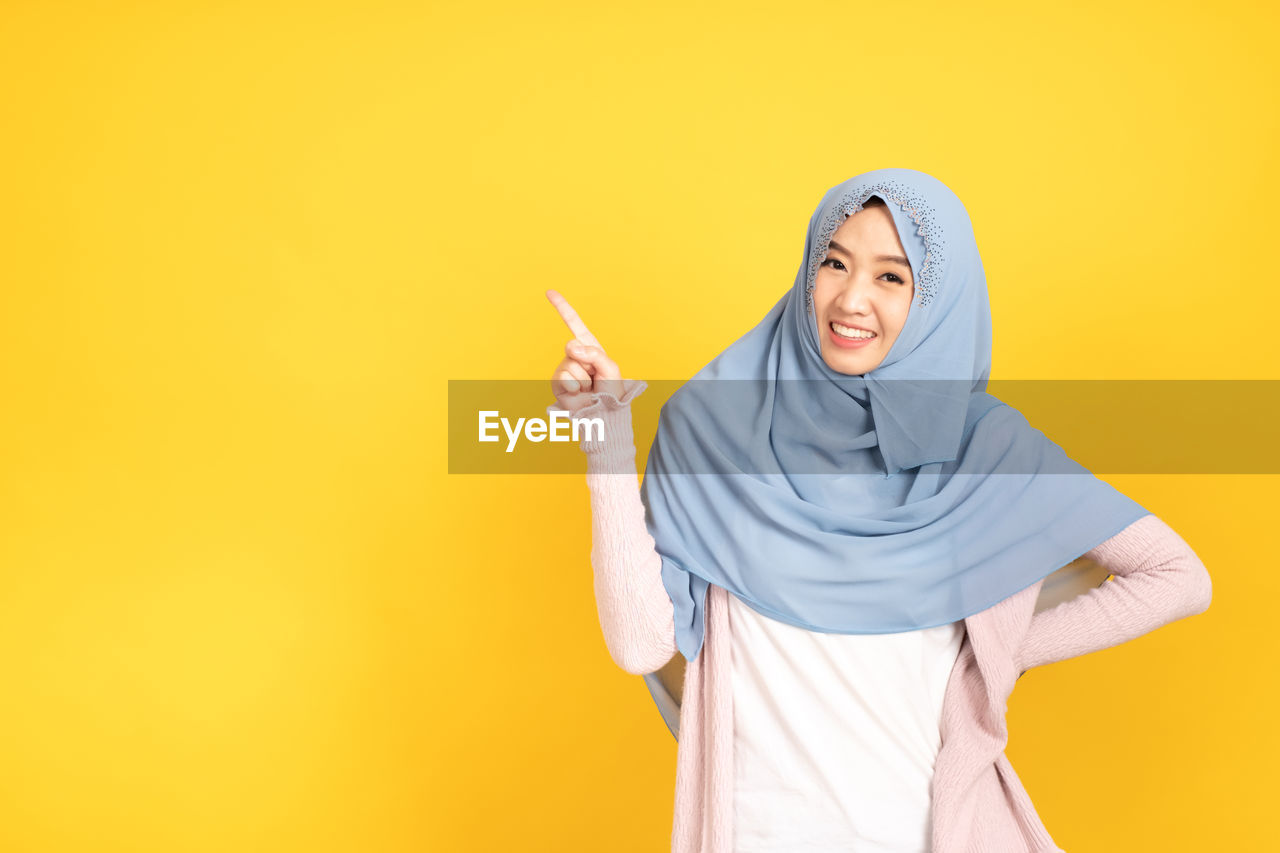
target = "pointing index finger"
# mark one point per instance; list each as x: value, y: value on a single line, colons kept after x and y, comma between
x: 572, y: 320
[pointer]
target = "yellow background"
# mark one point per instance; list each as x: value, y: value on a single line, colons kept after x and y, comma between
x: 244, y: 246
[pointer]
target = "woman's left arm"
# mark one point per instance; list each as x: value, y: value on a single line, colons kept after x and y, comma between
x: 1158, y: 580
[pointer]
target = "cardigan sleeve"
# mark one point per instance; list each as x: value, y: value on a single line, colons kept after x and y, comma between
x: 636, y: 613
x: 1158, y: 580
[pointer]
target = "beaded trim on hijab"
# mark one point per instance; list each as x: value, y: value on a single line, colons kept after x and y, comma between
x: 921, y: 214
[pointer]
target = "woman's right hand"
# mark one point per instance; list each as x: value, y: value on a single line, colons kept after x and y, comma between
x: 585, y: 370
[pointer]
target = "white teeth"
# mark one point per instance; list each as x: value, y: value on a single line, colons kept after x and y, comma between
x: 846, y: 332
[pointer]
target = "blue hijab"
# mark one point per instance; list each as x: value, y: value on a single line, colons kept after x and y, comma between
x: 896, y: 500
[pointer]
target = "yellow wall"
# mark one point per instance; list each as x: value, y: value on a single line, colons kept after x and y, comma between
x: 243, y: 246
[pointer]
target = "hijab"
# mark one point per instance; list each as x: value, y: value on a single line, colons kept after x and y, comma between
x: 900, y: 499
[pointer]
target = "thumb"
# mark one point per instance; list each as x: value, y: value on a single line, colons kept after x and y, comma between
x: 605, y: 375
x: 602, y: 367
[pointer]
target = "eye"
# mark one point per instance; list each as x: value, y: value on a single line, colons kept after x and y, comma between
x: 836, y: 264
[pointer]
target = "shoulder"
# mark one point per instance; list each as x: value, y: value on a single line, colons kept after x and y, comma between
x: 1000, y: 438
x: 994, y: 423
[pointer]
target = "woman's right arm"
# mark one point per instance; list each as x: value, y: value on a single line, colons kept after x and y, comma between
x: 636, y: 614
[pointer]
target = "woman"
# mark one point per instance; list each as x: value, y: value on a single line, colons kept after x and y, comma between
x: 845, y: 539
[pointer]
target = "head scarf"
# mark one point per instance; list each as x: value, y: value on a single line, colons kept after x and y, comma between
x: 900, y: 499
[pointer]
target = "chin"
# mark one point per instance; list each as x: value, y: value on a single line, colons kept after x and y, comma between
x: 847, y: 368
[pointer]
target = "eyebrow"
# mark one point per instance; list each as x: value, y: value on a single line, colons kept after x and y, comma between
x: 894, y: 259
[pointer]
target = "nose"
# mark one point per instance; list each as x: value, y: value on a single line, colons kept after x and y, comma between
x: 855, y: 297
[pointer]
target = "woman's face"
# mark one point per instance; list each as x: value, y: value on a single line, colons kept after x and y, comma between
x: 863, y: 286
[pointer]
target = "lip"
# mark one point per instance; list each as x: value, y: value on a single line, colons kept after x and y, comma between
x: 850, y: 325
x: 848, y: 343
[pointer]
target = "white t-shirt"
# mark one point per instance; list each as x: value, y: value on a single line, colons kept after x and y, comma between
x: 835, y: 735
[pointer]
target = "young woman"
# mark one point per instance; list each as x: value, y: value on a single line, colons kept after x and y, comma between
x: 850, y: 548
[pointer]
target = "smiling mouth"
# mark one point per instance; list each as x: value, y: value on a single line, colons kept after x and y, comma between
x: 840, y: 341
x: 851, y: 333
x: 850, y: 341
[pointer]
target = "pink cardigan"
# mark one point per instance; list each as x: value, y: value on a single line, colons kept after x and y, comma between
x: 979, y: 804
